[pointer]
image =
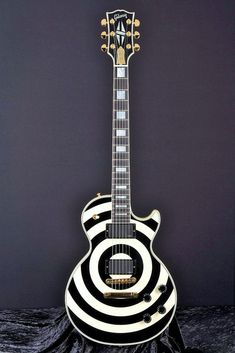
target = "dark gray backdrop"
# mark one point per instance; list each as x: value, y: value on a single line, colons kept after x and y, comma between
x: 55, y: 135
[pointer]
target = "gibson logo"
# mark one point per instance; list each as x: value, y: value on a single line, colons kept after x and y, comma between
x: 118, y: 15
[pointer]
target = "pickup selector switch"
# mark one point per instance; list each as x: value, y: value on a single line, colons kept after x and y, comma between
x: 147, y: 318
x: 147, y: 297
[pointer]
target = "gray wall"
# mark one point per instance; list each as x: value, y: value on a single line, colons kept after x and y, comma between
x: 55, y: 136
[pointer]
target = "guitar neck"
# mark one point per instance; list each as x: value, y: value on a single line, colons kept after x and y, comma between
x: 121, y: 193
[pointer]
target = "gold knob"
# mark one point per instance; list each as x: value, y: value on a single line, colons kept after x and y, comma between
x: 137, y: 23
x: 104, y: 22
x: 104, y: 48
x: 98, y: 194
x: 128, y: 34
x: 128, y: 46
x: 112, y: 21
x: 95, y: 216
x: 137, y: 35
x: 128, y: 21
x: 112, y: 46
x: 112, y: 33
x: 136, y: 47
x: 103, y: 35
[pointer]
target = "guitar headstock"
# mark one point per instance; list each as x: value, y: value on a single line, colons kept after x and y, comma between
x: 120, y: 34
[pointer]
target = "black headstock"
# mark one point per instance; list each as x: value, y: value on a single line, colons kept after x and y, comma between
x: 121, y: 32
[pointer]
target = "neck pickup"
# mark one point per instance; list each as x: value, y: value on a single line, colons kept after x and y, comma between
x: 120, y: 230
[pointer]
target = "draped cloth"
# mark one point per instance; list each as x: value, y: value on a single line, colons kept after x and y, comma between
x: 210, y: 329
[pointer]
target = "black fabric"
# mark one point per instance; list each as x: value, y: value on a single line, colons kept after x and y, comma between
x: 210, y: 329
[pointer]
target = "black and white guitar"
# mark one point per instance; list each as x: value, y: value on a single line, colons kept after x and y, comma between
x: 120, y: 293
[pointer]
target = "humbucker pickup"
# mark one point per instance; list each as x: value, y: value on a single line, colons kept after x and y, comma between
x: 127, y: 230
x: 120, y: 267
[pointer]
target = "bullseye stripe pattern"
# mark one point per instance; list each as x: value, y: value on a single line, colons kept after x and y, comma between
x: 119, y: 321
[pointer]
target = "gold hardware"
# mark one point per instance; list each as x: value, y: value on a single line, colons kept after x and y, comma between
x: 128, y: 21
x: 104, y: 22
x: 103, y: 35
x: 98, y: 194
x: 112, y: 21
x: 104, y: 48
x: 112, y: 34
x: 95, y: 216
x: 121, y: 56
x: 128, y: 34
x: 128, y: 46
x: 131, y: 280
x: 116, y: 295
x: 137, y: 23
x: 136, y: 47
x: 137, y: 35
x: 112, y: 46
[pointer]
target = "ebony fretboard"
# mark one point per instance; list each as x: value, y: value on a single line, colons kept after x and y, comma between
x: 120, y: 147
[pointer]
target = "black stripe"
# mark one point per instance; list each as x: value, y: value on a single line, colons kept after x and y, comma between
x: 126, y: 249
x: 121, y: 338
x: 98, y: 239
x: 104, y: 216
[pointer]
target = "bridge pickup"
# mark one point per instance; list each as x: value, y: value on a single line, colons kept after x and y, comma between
x: 120, y: 295
x: 118, y: 231
x: 120, y: 267
x: 111, y: 281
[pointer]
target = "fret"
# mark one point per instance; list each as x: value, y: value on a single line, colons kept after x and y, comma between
x: 120, y: 105
x: 123, y: 89
x: 120, y: 180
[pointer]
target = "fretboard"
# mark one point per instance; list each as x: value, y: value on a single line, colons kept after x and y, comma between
x: 120, y: 147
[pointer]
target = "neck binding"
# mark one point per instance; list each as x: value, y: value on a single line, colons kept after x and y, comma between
x: 121, y: 207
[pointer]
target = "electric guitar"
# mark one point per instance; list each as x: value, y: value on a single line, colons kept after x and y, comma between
x: 120, y: 293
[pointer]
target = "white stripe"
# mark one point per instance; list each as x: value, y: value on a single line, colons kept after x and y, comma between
x: 121, y: 197
x: 120, y: 206
x: 121, y: 186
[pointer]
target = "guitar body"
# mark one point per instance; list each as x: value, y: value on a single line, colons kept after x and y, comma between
x: 119, y: 320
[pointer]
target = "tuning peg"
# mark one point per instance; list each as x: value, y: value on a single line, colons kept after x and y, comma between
x: 103, y: 35
x: 104, y: 22
x: 137, y: 35
x: 136, y: 47
x: 104, y: 48
x: 137, y: 23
